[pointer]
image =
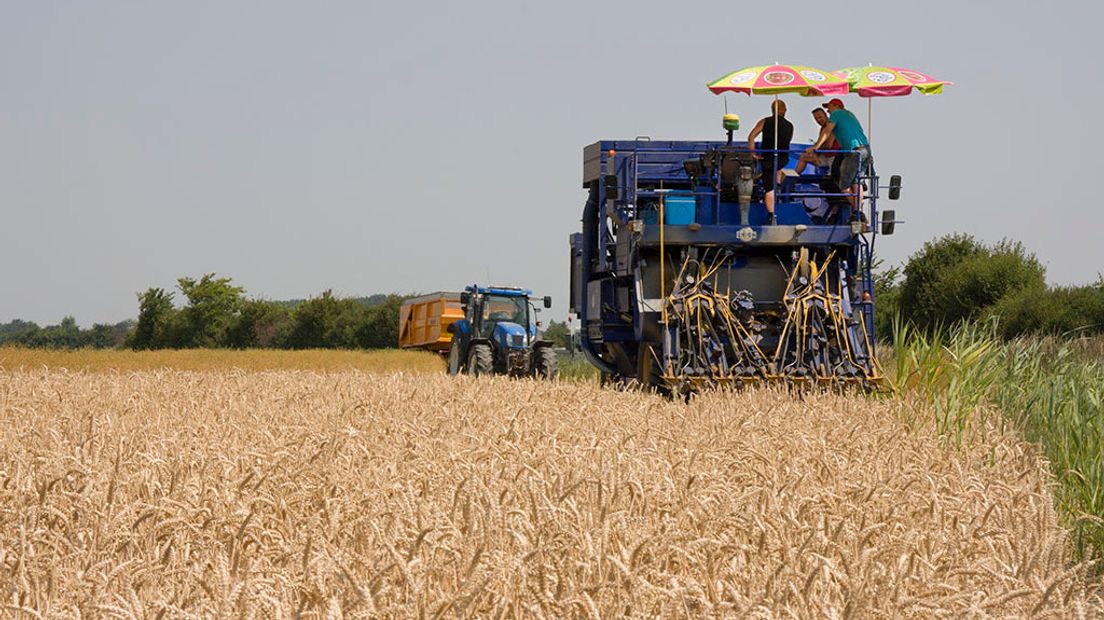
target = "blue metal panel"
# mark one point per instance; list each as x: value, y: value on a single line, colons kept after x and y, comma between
x: 507, y: 335
x: 499, y: 290
x: 765, y: 235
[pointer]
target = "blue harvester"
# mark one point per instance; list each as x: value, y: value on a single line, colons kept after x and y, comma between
x: 681, y: 281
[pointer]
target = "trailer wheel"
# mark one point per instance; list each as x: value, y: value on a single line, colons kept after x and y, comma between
x: 544, y: 363
x: 454, y: 365
x: 480, y: 360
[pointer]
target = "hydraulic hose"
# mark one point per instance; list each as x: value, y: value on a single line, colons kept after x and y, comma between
x: 590, y: 244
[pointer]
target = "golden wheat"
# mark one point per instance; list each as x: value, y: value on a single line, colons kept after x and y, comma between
x: 276, y: 494
x: 384, y: 360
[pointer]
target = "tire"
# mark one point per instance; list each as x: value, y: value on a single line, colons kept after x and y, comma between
x: 454, y: 364
x: 544, y: 363
x: 480, y: 360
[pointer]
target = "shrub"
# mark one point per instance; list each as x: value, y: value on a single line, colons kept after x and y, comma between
x: 955, y: 278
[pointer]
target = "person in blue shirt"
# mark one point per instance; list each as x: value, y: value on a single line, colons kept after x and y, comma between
x: 846, y: 129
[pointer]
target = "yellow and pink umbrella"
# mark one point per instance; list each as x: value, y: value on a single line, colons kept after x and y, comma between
x: 780, y: 79
x: 873, y: 81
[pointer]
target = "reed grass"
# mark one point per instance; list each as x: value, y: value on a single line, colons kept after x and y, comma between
x: 1051, y: 390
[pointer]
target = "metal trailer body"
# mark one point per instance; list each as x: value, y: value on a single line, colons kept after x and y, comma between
x: 497, y: 334
x: 679, y: 280
x: 424, y: 321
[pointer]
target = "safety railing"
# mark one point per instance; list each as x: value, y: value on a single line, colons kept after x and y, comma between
x: 644, y: 174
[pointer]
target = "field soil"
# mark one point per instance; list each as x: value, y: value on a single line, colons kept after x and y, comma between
x: 277, y: 493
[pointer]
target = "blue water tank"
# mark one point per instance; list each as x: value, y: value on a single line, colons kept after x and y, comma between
x: 679, y: 209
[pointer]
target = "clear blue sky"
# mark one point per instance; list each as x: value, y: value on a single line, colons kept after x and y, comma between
x: 385, y: 146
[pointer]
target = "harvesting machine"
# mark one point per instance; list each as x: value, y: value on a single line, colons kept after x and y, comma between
x: 680, y: 281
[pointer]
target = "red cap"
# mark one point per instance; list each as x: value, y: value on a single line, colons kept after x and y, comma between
x: 835, y: 101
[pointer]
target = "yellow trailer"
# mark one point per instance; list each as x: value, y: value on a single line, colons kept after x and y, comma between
x: 424, y: 321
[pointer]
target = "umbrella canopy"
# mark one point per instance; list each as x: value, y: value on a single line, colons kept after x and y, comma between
x: 780, y: 79
x: 874, y: 81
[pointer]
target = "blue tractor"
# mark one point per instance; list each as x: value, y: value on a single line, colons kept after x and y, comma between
x: 498, y: 335
x: 681, y: 280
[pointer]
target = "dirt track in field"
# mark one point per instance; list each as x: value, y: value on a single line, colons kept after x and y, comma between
x: 252, y: 494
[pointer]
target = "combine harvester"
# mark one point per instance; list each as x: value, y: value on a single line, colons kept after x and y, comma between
x: 483, y: 330
x: 680, y: 282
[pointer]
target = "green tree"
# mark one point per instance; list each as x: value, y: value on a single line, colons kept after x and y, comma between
x: 887, y: 299
x: 381, y: 330
x: 921, y: 297
x: 327, y: 322
x: 155, y: 316
x: 259, y: 323
x: 17, y: 331
x: 558, y: 334
x: 1059, y: 311
x: 213, y: 306
x: 101, y: 336
x: 956, y: 278
x: 65, y: 335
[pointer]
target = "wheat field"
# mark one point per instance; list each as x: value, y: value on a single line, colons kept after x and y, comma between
x: 95, y: 360
x: 176, y: 494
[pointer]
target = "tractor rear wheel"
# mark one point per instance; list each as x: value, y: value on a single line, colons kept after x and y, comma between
x: 480, y: 360
x: 544, y: 363
x: 454, y: 365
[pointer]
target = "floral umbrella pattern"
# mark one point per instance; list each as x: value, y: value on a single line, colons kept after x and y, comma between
x: 874, y: 81
x: 780, y: 79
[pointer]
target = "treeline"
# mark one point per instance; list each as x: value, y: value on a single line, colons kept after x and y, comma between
x: 957, y: 278
x: 217, y: 314
x: 66, y: 335
x: 950, y: 280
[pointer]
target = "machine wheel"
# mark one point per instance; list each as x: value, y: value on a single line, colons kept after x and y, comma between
x: 544, y: 363
x: 454, y: 364
x: 480, y: 360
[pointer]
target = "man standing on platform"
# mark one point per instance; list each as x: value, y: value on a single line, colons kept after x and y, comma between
x: 777, y: 133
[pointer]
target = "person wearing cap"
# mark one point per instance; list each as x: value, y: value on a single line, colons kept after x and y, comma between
x: 846, y: 129
x: 777, y: 133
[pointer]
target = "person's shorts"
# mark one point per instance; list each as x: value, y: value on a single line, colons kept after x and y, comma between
x: 769, y: 172
x: 847, y: 166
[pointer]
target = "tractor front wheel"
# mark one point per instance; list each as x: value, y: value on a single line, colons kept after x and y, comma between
x: 480, y: 360
x: 454, y: 365
x: 544, y: 363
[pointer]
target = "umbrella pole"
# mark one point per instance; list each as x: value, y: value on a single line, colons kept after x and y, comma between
x: 774, y: 169
x: 869, y: 118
